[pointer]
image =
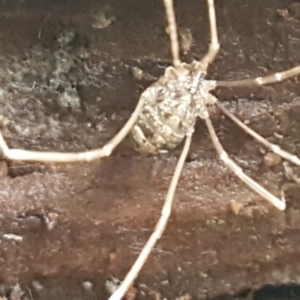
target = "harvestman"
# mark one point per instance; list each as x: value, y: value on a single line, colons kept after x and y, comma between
x: 166, y: 114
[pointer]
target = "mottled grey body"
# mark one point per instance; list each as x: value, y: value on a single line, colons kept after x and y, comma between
x: 172, y: 105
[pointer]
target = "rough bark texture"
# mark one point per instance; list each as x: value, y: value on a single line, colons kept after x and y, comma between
x: 72, y: 217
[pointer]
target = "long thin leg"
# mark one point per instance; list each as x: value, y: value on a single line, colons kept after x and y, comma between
x: 237, y: 170
x: 273, y: 78
x: 172, y: 32
x: 214, y: 45
x: 159, y: 228
x: 275, y: 148
x: 38, y: 156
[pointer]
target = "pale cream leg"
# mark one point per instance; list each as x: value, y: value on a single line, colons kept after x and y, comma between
x: 159, y: 228
x: 237, y: 170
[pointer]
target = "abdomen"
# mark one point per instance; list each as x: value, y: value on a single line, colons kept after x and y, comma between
x: 167, y: 115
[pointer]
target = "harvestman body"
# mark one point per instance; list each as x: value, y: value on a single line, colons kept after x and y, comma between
x: 165, y: 115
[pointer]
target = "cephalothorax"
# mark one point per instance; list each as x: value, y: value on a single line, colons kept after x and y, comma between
x: 164, y: 116
x: 172, y: 105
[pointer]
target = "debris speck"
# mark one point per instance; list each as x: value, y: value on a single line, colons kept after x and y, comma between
x: 87, y: 285
x: 14, y: 237
x: 235, y: 206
